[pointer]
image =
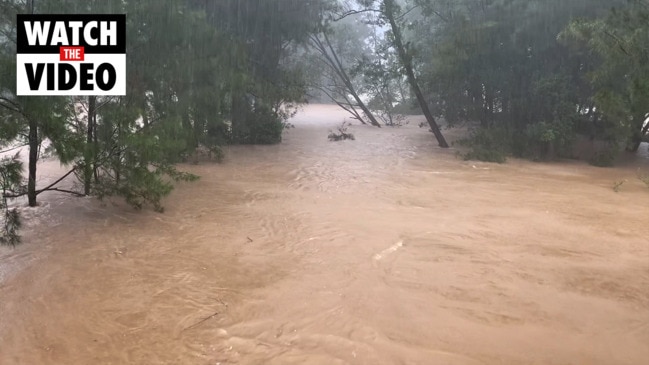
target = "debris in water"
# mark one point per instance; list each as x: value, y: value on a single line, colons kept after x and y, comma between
x: 388, y: 250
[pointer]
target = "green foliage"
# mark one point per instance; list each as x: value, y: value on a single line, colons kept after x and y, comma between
x: 28, y: 120
x: 199, y: 75
x: 553, y: 131
x: 261, y: 72
x: 10, y: 184
x: 621, y: 81
x: 548, y: 140
x: 487, y: 144
x: 499, y: 63
x: 261, y: 126
x: 378, y: 70
x: 142, y: 185
x: 604, y: 158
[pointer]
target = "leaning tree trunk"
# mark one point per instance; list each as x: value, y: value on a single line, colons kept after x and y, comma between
x: 333, y: 61
x: 406, y: 61
x: 350, y: 86
x: 33, y: 160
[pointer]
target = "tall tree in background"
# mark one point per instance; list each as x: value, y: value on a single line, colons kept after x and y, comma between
x: 391, y: 11
x: 388, y: 13
x: 383, y: 82
x: 263, y: 88
x: 354, y: 66
x: 338, y: 50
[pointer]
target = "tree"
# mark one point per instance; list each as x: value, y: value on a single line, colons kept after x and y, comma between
x: 200, y: 74
x: 356, y: 69
x: 28, y: 119
x: 387, y: 89
x: 621, y: 81
x: 338, y: 84
x: 262, y: 85
x: 499, y: 64
x: 391, y: 12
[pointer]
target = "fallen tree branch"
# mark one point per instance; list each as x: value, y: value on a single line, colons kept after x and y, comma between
x: 14, y: 148
x: 201, y: 321
x: 343, y: 15
x: 50, y: 187
x: 62, y: 191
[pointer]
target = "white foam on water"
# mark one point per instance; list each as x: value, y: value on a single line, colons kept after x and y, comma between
x: 388, y: 251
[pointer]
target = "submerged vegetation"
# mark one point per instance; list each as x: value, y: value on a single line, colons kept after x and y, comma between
x: 529, y: 77
x: 341, y: 133
x: 201, y: 74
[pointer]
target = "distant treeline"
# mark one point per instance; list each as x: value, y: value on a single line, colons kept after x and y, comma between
x: 535, y: 73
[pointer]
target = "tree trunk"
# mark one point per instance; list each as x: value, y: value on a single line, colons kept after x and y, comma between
x: 362, y: 105
x: 118, y: 156
x: 145, y: 110
x: 406, y: 61
x: 550, y: 154
x: 636, y: 140
x: 239, y: 112
x: 89, y: 157
x: 95, y: 148
x: 33, y: 146
x: 349, y: 107
x: 33, y: 160
x: 336, y: 65
x: 350, y: 86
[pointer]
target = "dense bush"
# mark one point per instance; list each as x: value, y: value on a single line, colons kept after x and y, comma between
x: 604, y: 158
x: 261, y: 126
x: 487, y: 144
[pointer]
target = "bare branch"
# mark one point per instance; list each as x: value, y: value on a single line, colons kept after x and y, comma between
x: 14, y: 148
x: 57, y: 181
x: 10, y: 105
x: 63, y: 191
x: 409, y: 11
x: 347, y: 13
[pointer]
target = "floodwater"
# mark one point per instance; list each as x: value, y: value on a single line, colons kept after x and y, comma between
x: 383, y: 250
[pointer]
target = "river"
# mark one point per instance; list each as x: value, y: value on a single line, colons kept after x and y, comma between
x: 382, y: 250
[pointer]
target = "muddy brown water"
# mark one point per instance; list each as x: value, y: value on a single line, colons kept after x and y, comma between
x: 384, y: 250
